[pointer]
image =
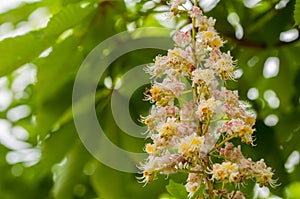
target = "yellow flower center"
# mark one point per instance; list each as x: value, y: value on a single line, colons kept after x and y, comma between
x: 196, y: 141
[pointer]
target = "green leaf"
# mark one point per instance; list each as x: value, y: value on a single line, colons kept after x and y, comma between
x: 198, y: 192
x: 112, y: 184
x: 18, y: 14
x: 62, y: 68
x: 176, y: 190
x: 54, y: 97
x: 20, y: 50
x: 56, y: 146
x: 297, y: 12
x: 70, y: 16
x: 109, y: 183
x: 23, y: 11
x: 23, y: 49
x: 65, y: 2
x: 69, y: 174
x: 292, y: 191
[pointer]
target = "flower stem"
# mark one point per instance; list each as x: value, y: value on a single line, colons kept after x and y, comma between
x: 186, y: 92
x: 206, y: 126
x: 221, y: 143
x: 194, y: 36
x: 209, y: 188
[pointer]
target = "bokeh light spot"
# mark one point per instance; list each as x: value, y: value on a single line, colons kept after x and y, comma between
x: 271, y: 120
x: 271, y: 67
x: 252, y: 93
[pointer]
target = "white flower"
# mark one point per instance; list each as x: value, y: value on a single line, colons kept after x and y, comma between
x: 187, y: 112
x: 205, y: 80
x: 208, y: 108
x: 182, y: 39
x: 202, y: 22
x: 192, y: 144
x: 176, y: 3
x: 159, y: 67
x: 222, y: 63
x: 209, y: 39
x: 225, y: 172
x: 176, y: 87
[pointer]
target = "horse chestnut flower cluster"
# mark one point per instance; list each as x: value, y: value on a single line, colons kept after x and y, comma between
x: 194, y: 117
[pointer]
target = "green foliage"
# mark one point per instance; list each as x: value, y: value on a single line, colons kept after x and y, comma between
x: 293, y: 190
x: 176, y: 190
x: 20, y: 50
x: 198, y: 192
x: 19, y: 14
x: 297, y: 12
x: 65, y: 168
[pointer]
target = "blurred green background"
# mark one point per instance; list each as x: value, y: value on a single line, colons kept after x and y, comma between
x: 42, y: 45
